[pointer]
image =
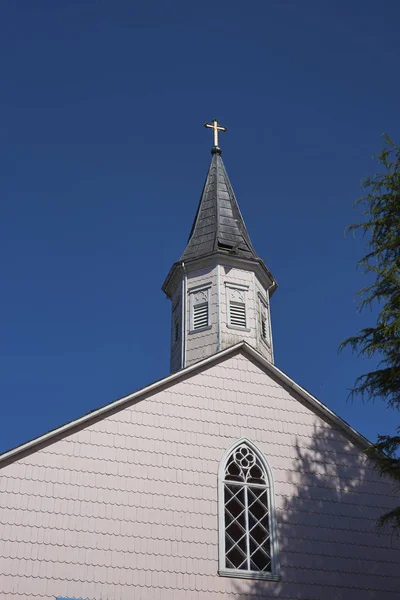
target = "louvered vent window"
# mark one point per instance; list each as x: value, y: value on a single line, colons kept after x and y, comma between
x: 236, y: 297
x: 264, y: 328
x: 176, y: 322
x: 200, y: 309
x: 265, y: 335
x: 238, y: 314
x: 176, y: 331
x: 200, y: 316
x: 247, y: 520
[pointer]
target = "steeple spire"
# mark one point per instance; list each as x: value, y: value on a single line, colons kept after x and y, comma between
x: 220, y: 288
x: 218, y: 225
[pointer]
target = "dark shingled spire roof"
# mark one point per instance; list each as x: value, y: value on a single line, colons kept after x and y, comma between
x: 218, y: 224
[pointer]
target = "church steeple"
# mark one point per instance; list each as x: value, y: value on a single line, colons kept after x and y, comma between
x: 220, y: 288
x: 218, y: 224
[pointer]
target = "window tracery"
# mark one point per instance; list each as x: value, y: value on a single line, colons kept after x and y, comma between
x: 247, y: 526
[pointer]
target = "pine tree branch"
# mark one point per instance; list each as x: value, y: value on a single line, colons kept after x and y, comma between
x: 381, y: 228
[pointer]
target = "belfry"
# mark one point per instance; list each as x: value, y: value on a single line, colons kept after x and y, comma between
x: 220, y: 288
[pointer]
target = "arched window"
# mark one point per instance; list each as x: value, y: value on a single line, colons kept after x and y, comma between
x: 247, y: 527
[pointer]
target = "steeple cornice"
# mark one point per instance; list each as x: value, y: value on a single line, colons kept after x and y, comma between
x: 223, y: 258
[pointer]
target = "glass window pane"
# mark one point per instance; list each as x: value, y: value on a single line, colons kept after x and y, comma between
x: 246, y: 512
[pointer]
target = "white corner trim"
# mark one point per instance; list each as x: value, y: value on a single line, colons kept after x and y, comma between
x: 219, y: 344
x: 183, y: 316
x: 256, y: 320
x: 271, y: 339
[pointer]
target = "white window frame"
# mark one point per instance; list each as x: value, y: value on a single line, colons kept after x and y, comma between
x: 274, y: 574
x: 264, y: 306
x: 199, y: 291
x: 229, y: 289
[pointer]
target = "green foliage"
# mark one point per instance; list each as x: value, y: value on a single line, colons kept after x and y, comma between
x: 381, y: 226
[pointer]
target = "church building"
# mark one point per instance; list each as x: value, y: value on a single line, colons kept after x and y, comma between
x: 226, y: 480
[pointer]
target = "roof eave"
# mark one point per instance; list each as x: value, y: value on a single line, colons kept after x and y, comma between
x: 167, y: 285
x: 321, y: 408
x: 270, y: 283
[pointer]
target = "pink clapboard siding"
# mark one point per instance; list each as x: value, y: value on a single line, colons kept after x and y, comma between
x: 126, y: 507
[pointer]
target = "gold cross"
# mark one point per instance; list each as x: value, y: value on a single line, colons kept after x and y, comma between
x: 216, y: 128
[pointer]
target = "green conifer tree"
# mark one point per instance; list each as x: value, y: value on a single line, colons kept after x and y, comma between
x: 381, y: 226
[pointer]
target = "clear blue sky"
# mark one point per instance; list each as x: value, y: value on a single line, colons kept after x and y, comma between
x: 103, y: 157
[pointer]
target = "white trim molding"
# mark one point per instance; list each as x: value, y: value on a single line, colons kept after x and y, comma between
x: 283, y: 379
x: 183, y: 316
x: 219, y: 345
x: 273, y: 574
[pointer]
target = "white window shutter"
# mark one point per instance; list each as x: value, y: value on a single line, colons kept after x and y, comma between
x: 264, y: 320
x: 237, y: 312
x: 236, y: 298
x: 264, y: 327
x: 200, y: 316
x: 200, y: 308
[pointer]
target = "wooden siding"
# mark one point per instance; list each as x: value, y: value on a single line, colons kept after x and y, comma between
x: 126, y: 508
